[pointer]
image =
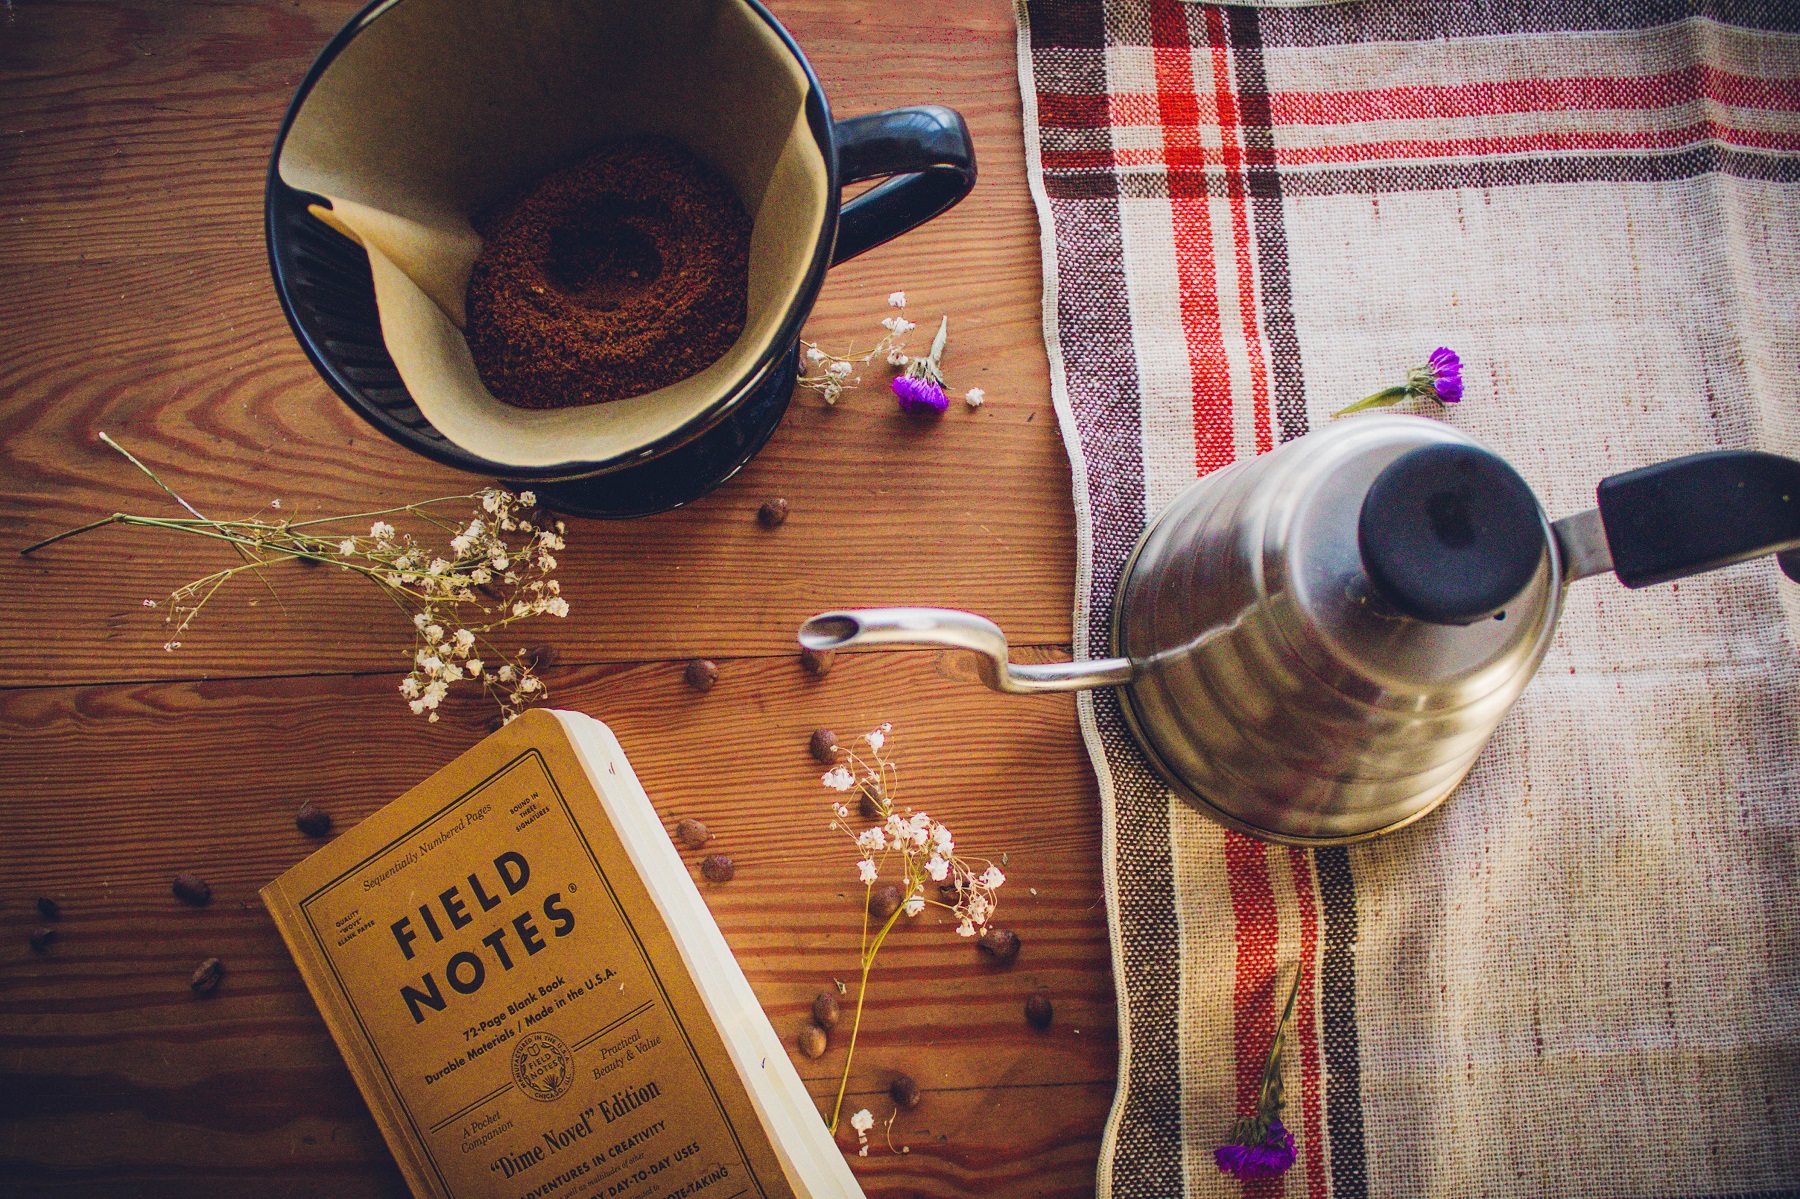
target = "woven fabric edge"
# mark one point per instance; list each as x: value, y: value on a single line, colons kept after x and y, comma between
x: 1084, y: 580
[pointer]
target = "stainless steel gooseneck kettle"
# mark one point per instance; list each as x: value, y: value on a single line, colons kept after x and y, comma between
x: 1313, y: 646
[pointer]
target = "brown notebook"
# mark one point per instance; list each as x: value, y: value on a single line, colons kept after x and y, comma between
x: 533, y: 997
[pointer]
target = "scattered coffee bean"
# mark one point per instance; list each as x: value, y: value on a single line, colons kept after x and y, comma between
x: 543, y: 657
x: 812, y: 1041
x: 884, y: 901
x: 817, y: 662
x: 823, y: 746
x: 191, y: 888
x: 826, y: 1011
x: 48, y: 908
x: 692, y: 833
x: 772, y: 513
x: 718, y: 869
x: 206, y: 976
x: 314, y: 822
x: 904, y: 1092
x: 496, y: 723
x: 701, y: 674
x: 41, y: 938
x: 1038, y: 1011
x: 1000, y: 944
x: 870, y: 804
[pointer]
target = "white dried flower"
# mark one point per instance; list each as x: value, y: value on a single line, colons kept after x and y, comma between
x: 409, y: 687
x: 381, y: 530
x: 838, y: 779
x: 347, y: 546
x: 862, y: 1121
x: 865, y: 870
x: 975, y: 397
x: 897, y: 299
x: 528, y: 498
x: 473, y: 666
x: 915, y: 905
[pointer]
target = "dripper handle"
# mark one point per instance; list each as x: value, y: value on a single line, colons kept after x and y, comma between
x: 1701, y: 512
x: 959, y: 630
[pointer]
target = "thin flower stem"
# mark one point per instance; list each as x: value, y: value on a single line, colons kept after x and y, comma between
x: 862, y: 993
x: 114, y: 519
x: 1381, y: 399
x: 359, y: 516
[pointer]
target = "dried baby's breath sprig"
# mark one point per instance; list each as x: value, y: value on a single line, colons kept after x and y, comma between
x: 496, y: 572
x: 831, y: 375
x: 911, y: 850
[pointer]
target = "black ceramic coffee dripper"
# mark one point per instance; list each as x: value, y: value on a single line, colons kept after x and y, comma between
x: 645, y: 455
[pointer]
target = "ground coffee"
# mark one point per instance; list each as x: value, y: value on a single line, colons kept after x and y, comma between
x: 611, y: 278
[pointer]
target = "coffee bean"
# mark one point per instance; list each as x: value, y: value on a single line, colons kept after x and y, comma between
x: 817, y: 662
x: 1038, y: 1011
x: 812, y: 1041
x: 48, y: 909
x: 543, y: 657
x: 692, y: 833
x: 314, y: 822
x: 772, y: 513
x: 718, y: 869
x: 191, y: 888
x: 1002, y: 945
x: 823, y: 746
x: 884, y: 901
x: 904, y: 1092
x: 870, y: 803
x: 206, y: 976
x: 826, y: 1011
x: 701, y: 674
x: 41, y: 938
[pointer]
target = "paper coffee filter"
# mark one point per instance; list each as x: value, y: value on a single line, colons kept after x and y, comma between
x: 437, y: 109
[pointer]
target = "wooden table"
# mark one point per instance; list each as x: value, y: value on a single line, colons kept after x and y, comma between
x: 135, y: 299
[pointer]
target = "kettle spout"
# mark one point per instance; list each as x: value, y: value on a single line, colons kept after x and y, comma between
x: 959, y: 630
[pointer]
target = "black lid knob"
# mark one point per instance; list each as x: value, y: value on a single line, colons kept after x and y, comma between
x: 1450, y: 534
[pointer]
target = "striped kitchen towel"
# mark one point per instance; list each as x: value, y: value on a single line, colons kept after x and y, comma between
x: 1582, y: 974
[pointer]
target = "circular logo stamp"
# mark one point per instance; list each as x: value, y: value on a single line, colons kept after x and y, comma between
x: 543, y: 1066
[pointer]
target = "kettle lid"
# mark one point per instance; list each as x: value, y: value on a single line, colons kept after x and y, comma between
x: 1450, y: 534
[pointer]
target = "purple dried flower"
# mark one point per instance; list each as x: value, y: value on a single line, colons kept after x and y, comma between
x: 1259, y: 1146
x: 1270, y: 1159
x: 1439, y: 379
x: 921, y: 397
x: 1446, y: 376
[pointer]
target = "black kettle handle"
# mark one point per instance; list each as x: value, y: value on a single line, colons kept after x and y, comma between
x: 1701, y: 512
x: 927, y: 151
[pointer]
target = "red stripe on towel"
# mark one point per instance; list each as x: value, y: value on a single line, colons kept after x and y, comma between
x: 1191, y: 220
x: 1305, y: 1032
x: 1253, y: 991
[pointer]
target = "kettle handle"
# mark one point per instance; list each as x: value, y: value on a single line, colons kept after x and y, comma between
x: 960, y: 630
x: 1699, y: 513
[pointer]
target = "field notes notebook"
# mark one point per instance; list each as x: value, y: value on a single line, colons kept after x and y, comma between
x: 533, y: 996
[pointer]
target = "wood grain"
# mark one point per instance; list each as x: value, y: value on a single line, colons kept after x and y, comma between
x: 115, y: 789
x: 134, y: 298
